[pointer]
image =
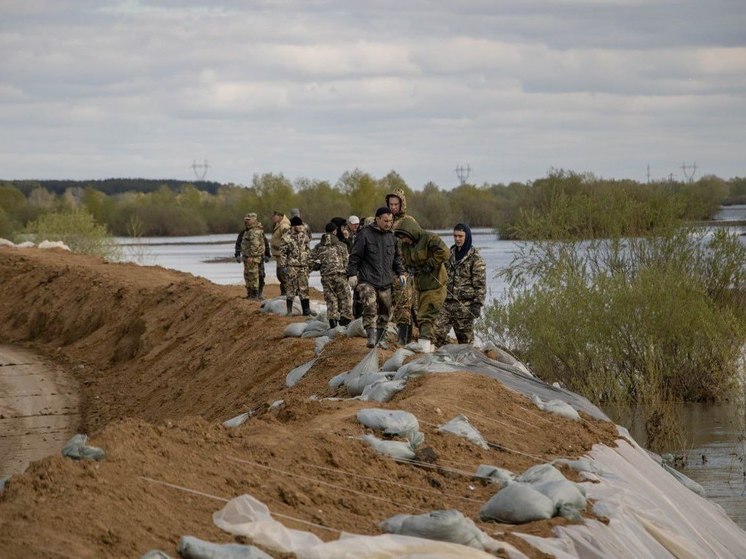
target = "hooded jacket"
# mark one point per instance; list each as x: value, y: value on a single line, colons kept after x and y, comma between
x: 425, y: 257
x: 375, y: 257
x: 330, y: 256
x: 279, y: 229
x: 401, y: 216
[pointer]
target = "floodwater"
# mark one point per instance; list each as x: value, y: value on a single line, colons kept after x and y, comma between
x: 712, y: 448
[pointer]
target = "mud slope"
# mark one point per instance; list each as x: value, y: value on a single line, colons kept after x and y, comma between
x: 162, y: 358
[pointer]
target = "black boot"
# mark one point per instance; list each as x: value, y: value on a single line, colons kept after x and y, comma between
x: 332, y: 323
x: 306, y: 306
x: 372, y: 337
x: 289, y: 303
x: 344, y: 321
x: 404, y: 334
x: 260, y: 294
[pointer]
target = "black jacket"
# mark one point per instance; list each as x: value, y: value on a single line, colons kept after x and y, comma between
x: 375, y: 257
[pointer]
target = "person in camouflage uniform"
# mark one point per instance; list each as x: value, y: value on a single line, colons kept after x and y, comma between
x: 280, y: 227
x: 424, y: 255
x: 294, y: 262
x: 465, y: 290
x: 330, y: 258
x: 374, y: 260
x: 405, y: 296
x: 252, y: 254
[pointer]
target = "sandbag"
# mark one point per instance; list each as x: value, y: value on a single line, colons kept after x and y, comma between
x: 194, y: 548
x: 460, y: 426
x: 517, y: 503
x: 441, y: 525
x: 382, y: 390
x: 294, y: 329
x: 236, y: 421
x: 319, y: 344
x: 296, y: 374
x: 493, y: 474
x: 276, y: 305
x: 394, y: 362
x: 77, y: 449
x: 566, y: 497
x: 395, y: 449
x: 355, y: 328
x: 338, y: 380
x: 556, y: 406
x: 391, y: 422
x: 356, y: 383
x: 155, y: 554
x: 314, y: 329
x: 540, y: 473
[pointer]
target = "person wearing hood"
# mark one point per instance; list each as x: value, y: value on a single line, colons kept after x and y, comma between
x: 424, y: 255
x: 281, y: 226
x: 404, y: 296
x: 295, y: 263
x: 465, y: 291
x: 329, y: 256
x: 374, y: 260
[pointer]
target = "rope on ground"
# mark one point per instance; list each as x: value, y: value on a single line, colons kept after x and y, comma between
x: 216, y: 498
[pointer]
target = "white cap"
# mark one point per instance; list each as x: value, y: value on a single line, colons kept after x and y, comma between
x: 353, y: 219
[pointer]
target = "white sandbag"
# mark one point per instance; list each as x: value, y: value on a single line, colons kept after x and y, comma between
x: 194, y: 548
x: 25, y: 244
x: 296, y: 374
x: 566, y: 496
x: 493, y: 474
x: 391, y: 422
x: 441, y: 525
x: 394, y: 362
x: 6, y: 243
x: 540, y: 473
x: 336, y: 331
x: 556, y: 406
x: 338, y: 380
x: 460, y: 426
x: 53, y: 244
x: 77, y: 449
x: 356, y: 383
x: 382, y: 390
x: 319, y: 344
x: 155, y: 554
x: 368, y: 364
x: 580, y: 465
x: 355, y: 328
x: 294, y: 329
x: 314, y: 329
x: 395, y: 449
x: 276, y: 305
x: 238, y: 420
x: 517, y: 503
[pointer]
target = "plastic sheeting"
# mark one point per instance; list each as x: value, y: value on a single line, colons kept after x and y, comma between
x: 296, y: 374
x: 77, y: 449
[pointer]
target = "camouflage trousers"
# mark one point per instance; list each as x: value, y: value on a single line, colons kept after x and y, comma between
x: 429, y: 305
x: 262, y: 275
x: 457, y: 315
x: 376, y: 305
x: 337, y: 296
x: 404, y: 298
x: 282, y: 278
x: 297, y: 282
x: 251, y: 275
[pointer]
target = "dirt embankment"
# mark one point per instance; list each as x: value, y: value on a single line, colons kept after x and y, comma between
x: 162, y: 358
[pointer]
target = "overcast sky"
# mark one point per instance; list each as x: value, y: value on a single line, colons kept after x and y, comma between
x: 93, y: 89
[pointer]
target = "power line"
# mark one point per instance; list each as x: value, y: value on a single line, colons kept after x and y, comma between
x: 200, y: 171
x: 462, y: 173
x: 686, y: 168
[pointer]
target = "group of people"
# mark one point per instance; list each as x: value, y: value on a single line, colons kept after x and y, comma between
x: 386, y: 269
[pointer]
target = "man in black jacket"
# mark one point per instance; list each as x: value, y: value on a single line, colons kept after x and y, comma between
x: 374, y: 260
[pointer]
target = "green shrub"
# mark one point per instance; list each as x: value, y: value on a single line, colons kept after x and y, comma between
x: 646, y: 319
x: 78, y: 230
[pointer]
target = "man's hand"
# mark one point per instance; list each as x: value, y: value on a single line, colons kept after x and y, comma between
x: 352, y: 281
x: 475, y: 309
x: 403, y: 281
x: 238, y: 258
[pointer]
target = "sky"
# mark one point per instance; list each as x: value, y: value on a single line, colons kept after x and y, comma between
x: 487, y: 91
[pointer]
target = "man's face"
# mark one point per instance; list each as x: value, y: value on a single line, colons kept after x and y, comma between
x: 406, y: 240
x: 276, y: 218
x: 249, y: 221
x: 299, y: 228
x: 459, y: 237
x: 385, y: 221
x: 394, y: 204
x: 353, y: 227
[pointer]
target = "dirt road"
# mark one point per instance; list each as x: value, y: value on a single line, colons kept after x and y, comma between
x: 38, y: 409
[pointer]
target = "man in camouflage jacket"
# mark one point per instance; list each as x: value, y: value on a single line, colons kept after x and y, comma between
x: 280, y: 227
x: 465, y: 291
x: 252, y: 254
x: 294, y: 262
x: 330, y: 258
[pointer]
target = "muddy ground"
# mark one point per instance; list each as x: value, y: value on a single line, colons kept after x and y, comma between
x: 162, y: 358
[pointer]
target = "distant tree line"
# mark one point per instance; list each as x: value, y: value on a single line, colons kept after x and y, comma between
x: 569, y: 203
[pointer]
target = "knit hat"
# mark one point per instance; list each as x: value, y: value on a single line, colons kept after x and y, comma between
x: 296, y: 221
x: 382, y: 210
x: 353, y: 219
x: 330, y: 227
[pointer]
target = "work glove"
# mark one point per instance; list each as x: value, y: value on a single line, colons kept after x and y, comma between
x: 238, y: 258
x: 403, y: 281
x: 475, y: 309
x: 352, y: 280
x: 267, y: 259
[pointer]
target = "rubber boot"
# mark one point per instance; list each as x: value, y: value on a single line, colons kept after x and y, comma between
x: 248, y: 293
x: 289, y: 303
x: 372, y: 337
x: 344, y: 321
x: 404, y: 334
x: 306, y: 306
x: 332, y: 323
x: 260, y: 294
